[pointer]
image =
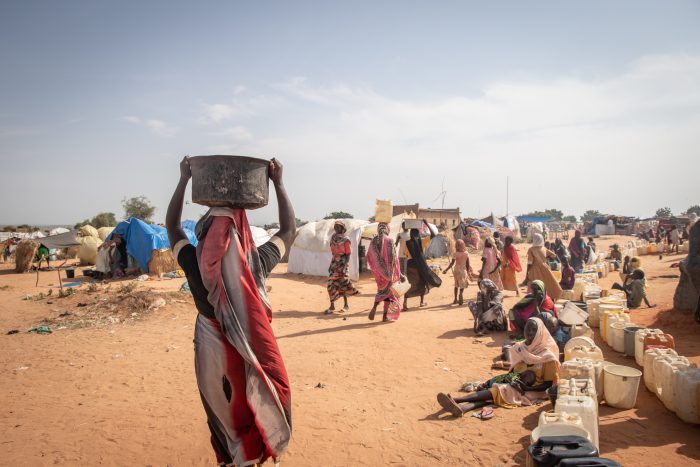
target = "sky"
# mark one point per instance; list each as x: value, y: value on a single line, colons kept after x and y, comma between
x: 580, y: 105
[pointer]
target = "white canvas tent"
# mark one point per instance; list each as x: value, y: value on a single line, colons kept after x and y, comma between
x: 260, y: 235
x: 311, y: 252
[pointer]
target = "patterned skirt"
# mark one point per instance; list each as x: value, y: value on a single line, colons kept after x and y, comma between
x: 339, y: 283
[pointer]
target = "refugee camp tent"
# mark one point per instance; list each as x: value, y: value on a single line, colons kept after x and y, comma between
x: 260, y: 235
x: 104, y: 232
x: 511, y: 223
x: 66, y: 239
x: 311, y: 252
x: 438, y: 247
x: 142, y: 239
x: 58, y: 231
x: 36, y: 234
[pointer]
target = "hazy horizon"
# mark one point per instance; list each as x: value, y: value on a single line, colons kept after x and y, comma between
x: 583, y: 106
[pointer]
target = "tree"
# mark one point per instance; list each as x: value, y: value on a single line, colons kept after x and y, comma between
x: 299, y: 222
x: 26, y: 227
x: 551, y: 213
x: 9, y: 228
x: 104, y: 219
x: 339, y: 215
x: 571, y: 219
x: 664, y: 212
x: 590, y: 215
x: 274, y: 225
x: 693, y: 209
x: 139, y: 207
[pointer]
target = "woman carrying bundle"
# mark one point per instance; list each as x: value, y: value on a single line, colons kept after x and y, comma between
x: 534, y: 368
x: 384, y: 262
x: 339, y: 284
x: 577, y: 248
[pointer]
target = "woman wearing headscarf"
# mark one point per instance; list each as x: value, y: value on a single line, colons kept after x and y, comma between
x: 384, y: 262
x: 534, y: 368
x: 339, y: 284
x: 510, y: 266
x: 538, y: 266
x: 419, y: 274
x: 491, y: 264
x: 535, y: 302
x: 462, y: 270
x: 577, y: 248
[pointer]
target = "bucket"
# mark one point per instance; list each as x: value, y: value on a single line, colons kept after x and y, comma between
x: 630, y: 332
x: 70, y: 273
x: 618, y: 336
x: 621, y: 386
x: 232, y: 181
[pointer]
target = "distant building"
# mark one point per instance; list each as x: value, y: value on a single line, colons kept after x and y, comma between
x: 449, y: 217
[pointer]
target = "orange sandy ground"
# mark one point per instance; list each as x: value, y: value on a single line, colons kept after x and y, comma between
x: 125, y: 394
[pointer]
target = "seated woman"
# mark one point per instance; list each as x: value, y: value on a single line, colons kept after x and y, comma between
x: 568, y: 276
x: 535, y: 302
x: 635, y: 287
x: 534, y: 369
x: 487, y: 310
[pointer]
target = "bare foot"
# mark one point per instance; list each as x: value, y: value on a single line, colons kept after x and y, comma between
x: 371, y: 314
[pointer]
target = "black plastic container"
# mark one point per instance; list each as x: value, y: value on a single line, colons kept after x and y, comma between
x: 232, y: 181
x: 589, y: 462
x: 549, y: 451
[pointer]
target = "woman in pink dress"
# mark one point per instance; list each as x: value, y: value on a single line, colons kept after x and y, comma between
x: 384, y: 262
x: 492, y: 264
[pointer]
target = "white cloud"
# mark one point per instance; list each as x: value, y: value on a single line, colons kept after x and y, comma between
x: 535, y: 129
x: 159, y: 127
x: 215, y: 113
x: 238, y: 133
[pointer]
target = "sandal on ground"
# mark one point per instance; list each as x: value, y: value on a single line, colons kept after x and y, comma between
x: 449, y: 404
x: 486, y: 413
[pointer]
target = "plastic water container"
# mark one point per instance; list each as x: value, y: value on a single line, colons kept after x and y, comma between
x: 652, y: 249
x: 621, y: 386
x: 578, y: 387
x: 557, y: 275
x: 630, y: 332
x: 659, y: 340
x: 620, y: 318
x: 383, y: 210
x: 586, y: 408
x: 584, y: 351
x: 579, y: 288
x: 579, y: 330
x: 593, y: 313
x: 639, y: 344
x: 585, y: 341
x: 559, y: 424
x: 551, y: 450
x: 571, y: 314
x: 686, y: 394
x: 618, y: 333
x: 577, y: 368
x: 649, y: 356
x: 606, y: 309
x: 664, y: 370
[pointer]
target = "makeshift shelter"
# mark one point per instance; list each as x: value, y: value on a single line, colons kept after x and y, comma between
x: 143, y: 240
x: 260, y: 235
x: 438, y: 247
x: 311, y: 252
x: 24, y: 255
x: 512, y: 224
x: 104, y: 232
x: 58, y: 231
x: 36, y: 234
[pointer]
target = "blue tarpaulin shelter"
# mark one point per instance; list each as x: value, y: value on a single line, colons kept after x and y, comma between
x: 141, y: 238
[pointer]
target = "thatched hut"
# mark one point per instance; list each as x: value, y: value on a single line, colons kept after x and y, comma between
x: 24, y: 255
